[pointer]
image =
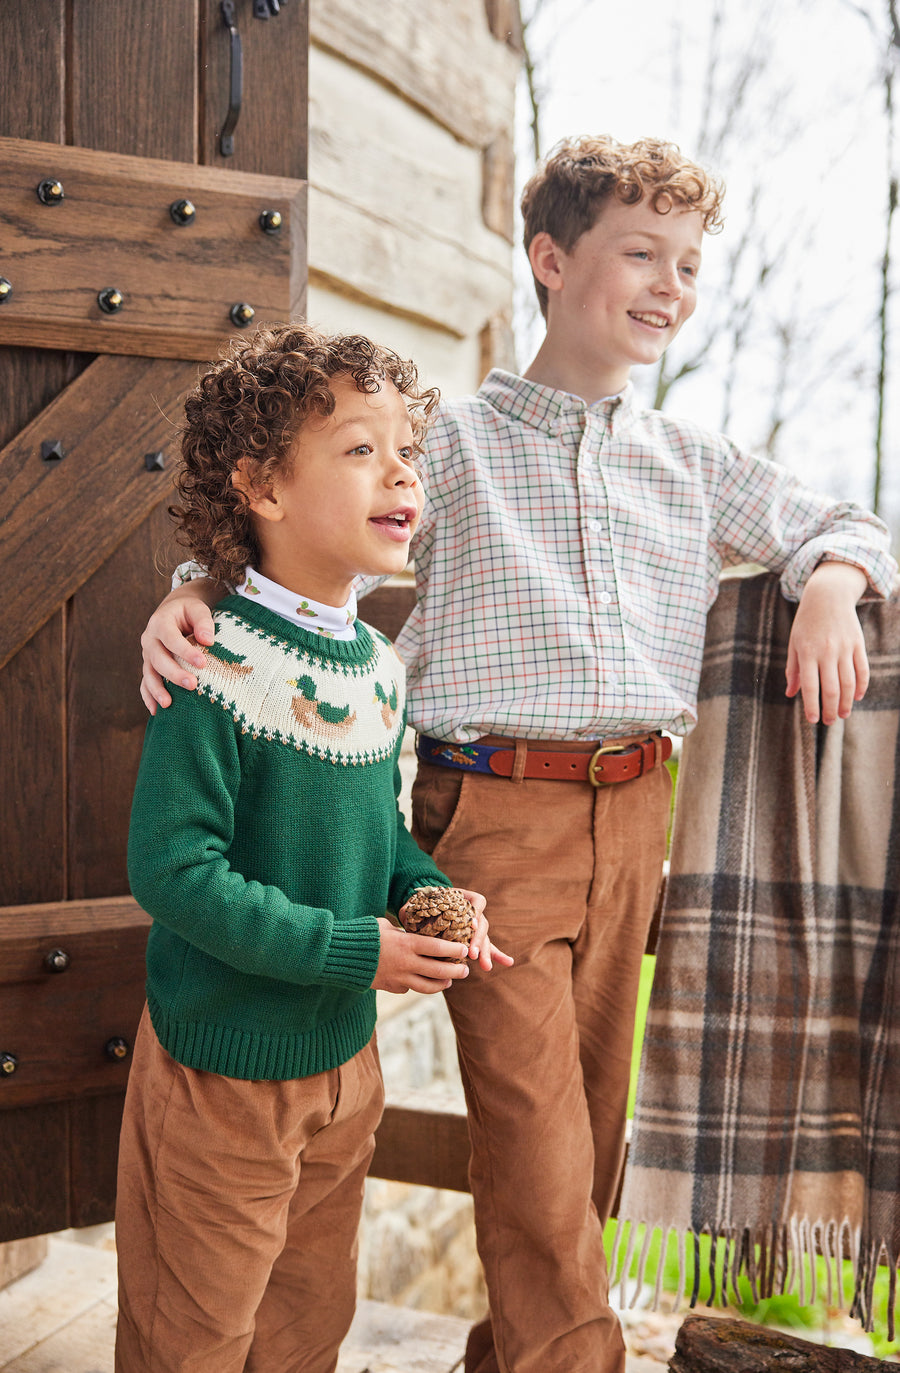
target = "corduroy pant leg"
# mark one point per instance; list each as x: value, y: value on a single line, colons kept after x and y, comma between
x: 570, y: 874
x: 210, y: 1202
x: 310, y: 1298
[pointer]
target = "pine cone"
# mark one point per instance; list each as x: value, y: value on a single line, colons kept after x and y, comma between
x: 442, y: 912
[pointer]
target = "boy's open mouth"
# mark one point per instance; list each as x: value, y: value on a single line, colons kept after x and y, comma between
x: 395, y: 522
x: 655, y: 321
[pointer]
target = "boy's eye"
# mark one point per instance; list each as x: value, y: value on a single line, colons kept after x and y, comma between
x: 689, y: 270
x: 406, y: 454
x: 642, y: 253
x: 364, y: 448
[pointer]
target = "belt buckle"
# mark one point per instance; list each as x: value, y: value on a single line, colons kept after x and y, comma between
x: 594, y: 780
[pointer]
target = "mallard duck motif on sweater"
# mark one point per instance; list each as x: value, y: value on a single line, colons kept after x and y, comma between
x: 332, y: 722
x: 389, y: 702
x: 228, y: 667
x: 342, y: 702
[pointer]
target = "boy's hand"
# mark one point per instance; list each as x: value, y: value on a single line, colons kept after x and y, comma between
x: 417, y: 962
x: 184, y: 611
x: 480, y: 946
x: 826, y: 650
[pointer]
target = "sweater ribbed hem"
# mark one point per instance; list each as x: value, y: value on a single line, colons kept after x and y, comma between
x: 250, y: 1054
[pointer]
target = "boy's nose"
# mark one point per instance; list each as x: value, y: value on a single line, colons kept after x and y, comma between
x: 668, y: 280
x: 402, y: 474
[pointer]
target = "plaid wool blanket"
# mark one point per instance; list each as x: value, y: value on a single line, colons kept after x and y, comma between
x: 768, y: 1112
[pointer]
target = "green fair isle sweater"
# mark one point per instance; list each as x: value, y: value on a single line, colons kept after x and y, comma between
x: 266, y: 840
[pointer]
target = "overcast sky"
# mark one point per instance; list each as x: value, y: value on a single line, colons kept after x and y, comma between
x: 810, y: 144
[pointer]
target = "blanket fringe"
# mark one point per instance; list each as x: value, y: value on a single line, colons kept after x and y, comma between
x: 774, y: 1260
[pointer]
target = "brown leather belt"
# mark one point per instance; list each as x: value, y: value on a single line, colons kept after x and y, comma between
x: 617, y: 761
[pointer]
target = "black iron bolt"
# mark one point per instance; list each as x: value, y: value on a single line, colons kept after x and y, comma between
x: 182, y: 211
x: 50, y: 192
x: 117, y: 1048
x: 52, y: 450
x: 8, y: 1064
x: 242, y: 314
x: 56, y: 961
x: 110, y: 300
x: 154, y: 462
x: 5, y: 290
x: 270, y: 221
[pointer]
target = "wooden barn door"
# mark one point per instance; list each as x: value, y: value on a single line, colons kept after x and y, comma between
x: 112, y: 288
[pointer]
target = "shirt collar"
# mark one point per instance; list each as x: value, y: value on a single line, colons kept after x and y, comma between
x: 549, y: 410
x: 331, y: 621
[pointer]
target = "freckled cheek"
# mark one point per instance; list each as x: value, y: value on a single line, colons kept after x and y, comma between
x: 689, y: 304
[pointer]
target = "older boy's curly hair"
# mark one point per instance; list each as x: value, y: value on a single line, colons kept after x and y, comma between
x: 250, y: 405
x: 565, y: 195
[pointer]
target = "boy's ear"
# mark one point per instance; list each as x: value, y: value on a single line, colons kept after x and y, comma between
x: 263, y: 501
x: 545, y: 258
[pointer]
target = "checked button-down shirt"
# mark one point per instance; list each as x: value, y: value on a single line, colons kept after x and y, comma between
x: 568, y: 555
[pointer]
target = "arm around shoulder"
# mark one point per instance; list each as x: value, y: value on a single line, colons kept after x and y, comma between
x: 186, y: 611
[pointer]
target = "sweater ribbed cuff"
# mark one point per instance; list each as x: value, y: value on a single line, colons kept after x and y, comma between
x: 353, y: 954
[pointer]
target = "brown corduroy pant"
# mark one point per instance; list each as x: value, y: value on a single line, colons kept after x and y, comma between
x: 237, y: 1215
x: 571, y: 875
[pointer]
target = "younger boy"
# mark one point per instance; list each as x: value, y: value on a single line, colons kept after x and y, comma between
x: 267, y: 845
x: 570, y: 549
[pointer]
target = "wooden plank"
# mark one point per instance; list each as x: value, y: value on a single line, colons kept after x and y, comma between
x: 31, y: 70
x: 67, y: 516
x: 34, y: 1146
x: 271, y: 132
x: 455, y: 70
x: 37, y: 925
x: 58, y: 1024
x: 76, y: 1279
x: 390, y: 1339
x: 151, y: 55
x: 113, y: 229
x: 95, y: 1122
x: 106, y: 717
x: 19, y: 1257
x: 33, y: 750
x: 84, y: 1344
x: 422, y: 1144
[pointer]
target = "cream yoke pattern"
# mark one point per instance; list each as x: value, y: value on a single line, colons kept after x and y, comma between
x: 345, y: 712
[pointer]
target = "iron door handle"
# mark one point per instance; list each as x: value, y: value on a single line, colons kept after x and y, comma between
x: 236, y: 82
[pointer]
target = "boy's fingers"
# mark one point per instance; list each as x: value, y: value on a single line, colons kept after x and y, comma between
x: 847, y: 675
x: 861, y: 664
x: 148, y: 700
x: 831, y: 693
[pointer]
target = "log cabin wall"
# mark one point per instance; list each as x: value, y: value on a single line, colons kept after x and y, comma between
x: 411, y: 110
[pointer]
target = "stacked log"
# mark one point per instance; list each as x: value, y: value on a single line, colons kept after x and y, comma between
x: 707, y: 1344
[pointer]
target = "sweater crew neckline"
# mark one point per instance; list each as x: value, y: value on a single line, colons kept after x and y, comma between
x: 345, y: 651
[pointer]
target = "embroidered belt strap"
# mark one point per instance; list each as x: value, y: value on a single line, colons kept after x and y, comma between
x: 601, y: 766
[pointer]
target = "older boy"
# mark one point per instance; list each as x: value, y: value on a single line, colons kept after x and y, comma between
x: 267, y: 844
x: 570, y: 549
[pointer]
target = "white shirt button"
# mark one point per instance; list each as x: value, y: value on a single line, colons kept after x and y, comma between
x: 605, y: 597
x: 595, y: 526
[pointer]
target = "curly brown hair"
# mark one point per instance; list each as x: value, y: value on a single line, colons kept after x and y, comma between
x: 250, y: 405
x: 565, y: 195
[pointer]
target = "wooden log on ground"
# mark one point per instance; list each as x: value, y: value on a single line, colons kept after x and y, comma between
x: 711, y: 1344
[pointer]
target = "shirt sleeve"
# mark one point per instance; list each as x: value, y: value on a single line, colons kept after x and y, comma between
x: 763, y: 514
x: 182, y: 825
